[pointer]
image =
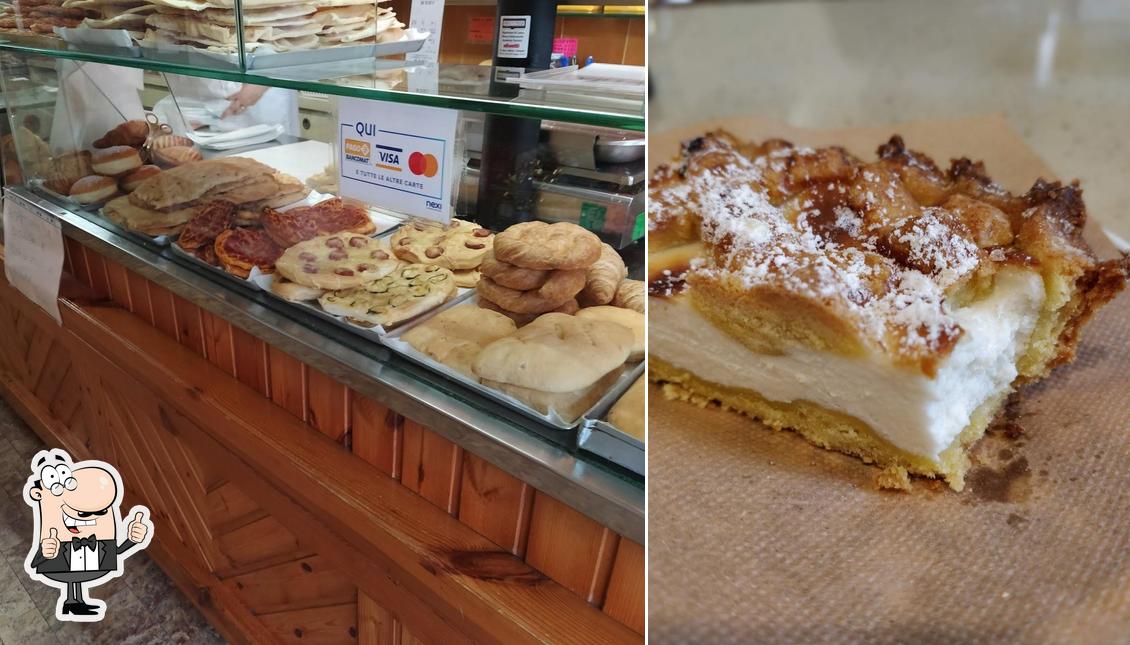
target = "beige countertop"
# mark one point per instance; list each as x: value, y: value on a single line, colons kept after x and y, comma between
x: 1058, y: 70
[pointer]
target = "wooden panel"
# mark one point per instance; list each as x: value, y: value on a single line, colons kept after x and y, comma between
x: 328, y: 404
x: 375, y: 624
x: 99, y: 281
x: 139, y: 296
x: 318, y: 626
x: 407, y: 637
x: 260, y: 543
x: 432, y: 466
x: 227, y: 508
x: 378, y: 434
x: 300, y: 584
x: 495, y: 504
x: 119, y: 284
x: 625, y: 598
x: 251, y: 361
x: 77, y: 253
x: 570, y: 548
x: 446, y: 582
x: 288, y: 383
x: 218, y: 342
x: 190, y: 325
x: 163, y: 309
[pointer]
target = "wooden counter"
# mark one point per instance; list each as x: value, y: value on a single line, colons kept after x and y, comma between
x: 287, y: 506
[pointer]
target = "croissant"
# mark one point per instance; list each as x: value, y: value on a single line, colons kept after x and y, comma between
x: 630, y: 295
x: 131, y: 133
x: 603, y: 278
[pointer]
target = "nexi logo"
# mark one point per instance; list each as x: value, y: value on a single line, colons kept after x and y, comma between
x: 357, y: 150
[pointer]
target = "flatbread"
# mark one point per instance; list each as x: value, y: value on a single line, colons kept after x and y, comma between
x: 399, y: 296
x: 456, y: 336
x: 336, y: 261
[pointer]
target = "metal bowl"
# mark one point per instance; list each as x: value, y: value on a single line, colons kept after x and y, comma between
x: 609, y: 150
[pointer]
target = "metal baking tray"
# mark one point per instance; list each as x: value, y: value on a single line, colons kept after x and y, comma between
x: 96, y: 215
x: 606, y: 440
x: 628, y: 375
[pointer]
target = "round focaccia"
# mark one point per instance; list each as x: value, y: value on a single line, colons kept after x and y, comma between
x: 336, y: 261
x: 405, y: 293
x: 461, y: 245
x: 456, y: 336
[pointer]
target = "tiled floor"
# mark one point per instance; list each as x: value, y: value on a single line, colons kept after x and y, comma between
x: 142, y: 606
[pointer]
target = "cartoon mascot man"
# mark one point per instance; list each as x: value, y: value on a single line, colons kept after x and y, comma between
x: 77, y: 523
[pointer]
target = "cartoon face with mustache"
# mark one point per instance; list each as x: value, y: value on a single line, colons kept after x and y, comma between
x: 77, y: 522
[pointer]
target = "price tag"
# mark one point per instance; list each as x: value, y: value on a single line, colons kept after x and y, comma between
x: 427, y: 15
x: 399, y: 157
x: 33, y: 254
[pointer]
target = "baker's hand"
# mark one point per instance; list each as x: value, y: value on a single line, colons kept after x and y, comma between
x: 50, y: 544
x: 247, y: 96
x: 137, y: 529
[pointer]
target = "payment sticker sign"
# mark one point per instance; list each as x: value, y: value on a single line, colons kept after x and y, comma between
x: 398, y: 157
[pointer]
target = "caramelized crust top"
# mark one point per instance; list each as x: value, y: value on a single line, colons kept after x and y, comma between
x: 871, y: 255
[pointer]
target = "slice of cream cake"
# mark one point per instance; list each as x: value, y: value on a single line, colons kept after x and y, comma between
x: 883, y: 309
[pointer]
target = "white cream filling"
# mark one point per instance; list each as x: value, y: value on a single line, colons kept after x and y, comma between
x: 915, y: 413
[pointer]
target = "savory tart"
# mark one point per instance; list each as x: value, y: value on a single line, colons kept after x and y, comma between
x: 884, y: 309
x: 336, y: 261
x: 405, y: 293
x: 333, y: 215
x: 240, y: 249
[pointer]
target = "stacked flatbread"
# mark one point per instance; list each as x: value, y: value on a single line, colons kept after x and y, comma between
x: 271, y: 25
x: 114, y: 14
x: 163, y: 204
x: 39, y: 16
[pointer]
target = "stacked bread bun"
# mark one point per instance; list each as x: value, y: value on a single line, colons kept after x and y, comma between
x: 537, y: 268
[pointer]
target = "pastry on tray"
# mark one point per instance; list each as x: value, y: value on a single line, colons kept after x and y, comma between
x: 332, y: 215
x: 885, y: 309
x: 456, y: 336
x: 403, y: 294
x: 458, y: 246
x: 336, y: 261
x: 241, y: 249
x: 556, y: 364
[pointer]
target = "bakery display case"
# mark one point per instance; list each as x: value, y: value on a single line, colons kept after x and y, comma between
x: 356, y: 415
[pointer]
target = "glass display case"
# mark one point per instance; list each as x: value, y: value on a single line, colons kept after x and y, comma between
x: 202, y: 189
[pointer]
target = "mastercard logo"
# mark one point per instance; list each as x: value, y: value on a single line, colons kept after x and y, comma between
x: 423, y: 164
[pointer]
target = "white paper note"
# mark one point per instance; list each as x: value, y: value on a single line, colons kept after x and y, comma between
x: 33, y: 254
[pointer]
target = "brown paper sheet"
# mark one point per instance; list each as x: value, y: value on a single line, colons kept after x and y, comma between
x: 758, y: 536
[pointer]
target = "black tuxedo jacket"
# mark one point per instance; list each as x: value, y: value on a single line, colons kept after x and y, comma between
x: 107, y: 557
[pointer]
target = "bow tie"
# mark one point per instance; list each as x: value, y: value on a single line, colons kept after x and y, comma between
x: 88, y: 542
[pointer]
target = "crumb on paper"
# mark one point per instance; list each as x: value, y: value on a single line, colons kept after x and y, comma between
x: 893, y: 478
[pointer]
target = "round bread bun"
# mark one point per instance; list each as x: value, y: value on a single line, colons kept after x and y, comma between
x: 94, y: 189
x: 134, y: 179
x: 116, y: 161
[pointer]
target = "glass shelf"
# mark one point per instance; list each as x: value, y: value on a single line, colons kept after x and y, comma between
x: 462, y: 87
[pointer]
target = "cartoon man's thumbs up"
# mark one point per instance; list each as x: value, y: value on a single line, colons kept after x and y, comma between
x: 137, y: 528
x: 50, y: 544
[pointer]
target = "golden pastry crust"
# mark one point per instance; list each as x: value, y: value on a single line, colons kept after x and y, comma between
x: 511, y: 276
x: 603, y: 278
x: 538, y: 245
x: 816, y: 247
x: 570, y: 307
x: 631, y: 294
x: 398, y: 296
x: 561, y: 287
x: 456, y: 336
x: 336, y: 261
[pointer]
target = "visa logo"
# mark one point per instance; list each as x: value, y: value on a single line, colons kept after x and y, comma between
x: 388, y: 157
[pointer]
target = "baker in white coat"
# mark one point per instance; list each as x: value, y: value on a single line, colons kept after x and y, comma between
x: 226, y: 105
